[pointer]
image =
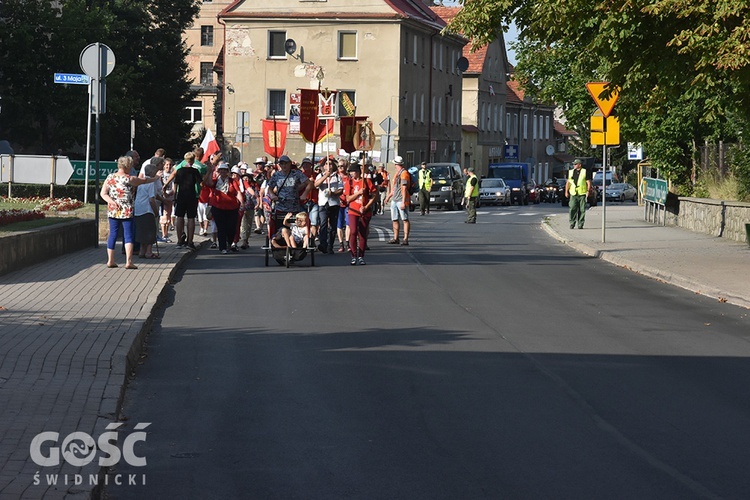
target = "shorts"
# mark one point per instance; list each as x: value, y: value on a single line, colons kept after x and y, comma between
x: 314, y: 215
x: 202, y: 212
x: 186, y: 207
x: 397, y: 213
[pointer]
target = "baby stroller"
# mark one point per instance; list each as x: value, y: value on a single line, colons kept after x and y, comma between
x: 277, y: 248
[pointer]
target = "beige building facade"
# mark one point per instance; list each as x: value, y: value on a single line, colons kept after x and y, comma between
x: 387, y: 56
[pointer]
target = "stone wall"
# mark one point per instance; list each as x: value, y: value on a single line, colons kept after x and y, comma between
x: 724, y: 219
x: 29, y: 247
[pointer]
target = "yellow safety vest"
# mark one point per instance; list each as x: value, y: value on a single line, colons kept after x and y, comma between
x: 580, y: 188
x: 471, y: 191
x: 425, y: 179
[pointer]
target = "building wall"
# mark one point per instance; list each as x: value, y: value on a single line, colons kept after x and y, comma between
x: 199, y: 53
x: 387, y: 78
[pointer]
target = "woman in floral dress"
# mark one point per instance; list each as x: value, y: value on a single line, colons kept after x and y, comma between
x: 118, y: 191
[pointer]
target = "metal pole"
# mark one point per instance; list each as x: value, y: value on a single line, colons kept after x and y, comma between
x: 604, y: 182
x: 88, y: 147
x: 96, y: 140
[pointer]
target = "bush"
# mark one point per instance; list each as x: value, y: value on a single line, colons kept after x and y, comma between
x: 74, y: 191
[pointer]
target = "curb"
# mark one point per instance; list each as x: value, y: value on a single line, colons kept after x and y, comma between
x: 125, y: 359
x: 650, y: 272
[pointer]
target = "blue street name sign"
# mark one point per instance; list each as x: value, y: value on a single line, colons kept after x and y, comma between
x: 71, y: 79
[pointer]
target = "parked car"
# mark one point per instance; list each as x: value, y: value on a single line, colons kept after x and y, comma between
x: 448, y: 183
x: 621, y: 191
x: 494, y: 192
x: 534, y: 191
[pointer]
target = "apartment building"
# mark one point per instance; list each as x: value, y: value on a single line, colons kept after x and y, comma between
x: 387, y: 56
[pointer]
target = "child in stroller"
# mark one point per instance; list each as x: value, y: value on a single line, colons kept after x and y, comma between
x: 292, y: 235
x: 291, y: 241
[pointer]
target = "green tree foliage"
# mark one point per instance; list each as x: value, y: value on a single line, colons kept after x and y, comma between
x: 149, y: 82
x: 681, y: 65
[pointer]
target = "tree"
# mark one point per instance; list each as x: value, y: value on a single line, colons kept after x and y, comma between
x: 674, y: 91
x: 149, y: 83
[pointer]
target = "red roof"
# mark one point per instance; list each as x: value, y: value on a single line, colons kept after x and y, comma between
x: 515, y: 92
x: 562, y: 130
x: 403, y: 9
x: 476, y: 59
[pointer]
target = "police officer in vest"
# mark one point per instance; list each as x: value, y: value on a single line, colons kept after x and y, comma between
x: 471, y: 194
x: 425, y: 185
x: 577, y: 189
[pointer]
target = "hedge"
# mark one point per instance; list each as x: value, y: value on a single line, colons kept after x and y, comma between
x: 72, y: 190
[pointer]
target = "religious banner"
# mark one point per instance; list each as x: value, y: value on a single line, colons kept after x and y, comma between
x: 348, y: 126
x: 313, y: 127
x: 294, y: 99
x: 364, y: 138
x: 274, y: 137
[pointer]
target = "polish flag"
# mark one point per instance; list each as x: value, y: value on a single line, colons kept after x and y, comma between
x: 209, y: 145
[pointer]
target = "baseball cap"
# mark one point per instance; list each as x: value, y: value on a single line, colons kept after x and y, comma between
x: 285, y: 159
x: 223, y: 165
x: 398, y: 160
x: 354, y: 168
x: 260, y: 161
x: 577, y: 162
x: 235, y: 169
x: 306, y: 159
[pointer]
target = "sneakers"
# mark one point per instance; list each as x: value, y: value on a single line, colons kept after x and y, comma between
x: 214, y: 245
x: 258, y: 231
x: 191, y: 246
x: 182, y: 241
x: 361, y: 261
x: 225, y: 251
x: 354, y: 261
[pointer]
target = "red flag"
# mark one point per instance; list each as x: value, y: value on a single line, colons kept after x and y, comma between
x: 274, y: 137
x: 209, y: 145
x: 348, y: 125
x: 312, y: 128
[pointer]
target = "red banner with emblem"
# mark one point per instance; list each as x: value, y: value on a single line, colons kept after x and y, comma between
x: 348, y: 126
x: 274, y: 137
x: 312, y: 128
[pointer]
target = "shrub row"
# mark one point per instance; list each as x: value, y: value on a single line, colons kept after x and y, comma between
x: 71, y: 190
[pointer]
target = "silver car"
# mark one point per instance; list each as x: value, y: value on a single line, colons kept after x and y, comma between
x: 621, y: 192
x: 494, y: 191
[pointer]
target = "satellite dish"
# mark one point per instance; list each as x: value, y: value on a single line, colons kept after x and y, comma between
x: 290, y: 46
x: 550, y: 150
x: 462, y: 64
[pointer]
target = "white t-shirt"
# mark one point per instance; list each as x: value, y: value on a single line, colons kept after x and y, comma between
x: 143, y: 195
x: 333, y: 183
x: 299, y: 233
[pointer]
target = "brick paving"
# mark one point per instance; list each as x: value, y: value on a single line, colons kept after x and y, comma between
x: 66, y: 327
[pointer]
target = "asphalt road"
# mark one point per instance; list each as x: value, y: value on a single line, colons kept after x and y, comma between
x: 482, y: 361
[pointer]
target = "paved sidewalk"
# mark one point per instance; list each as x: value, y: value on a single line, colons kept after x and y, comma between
x: 66, y: 328
x: 701, y: 263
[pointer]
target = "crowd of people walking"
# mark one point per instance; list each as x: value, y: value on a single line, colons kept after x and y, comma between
x: 325, y: 205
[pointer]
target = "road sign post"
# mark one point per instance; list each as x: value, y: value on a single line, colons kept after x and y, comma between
x: 606, y: 103
x: 97, y: 61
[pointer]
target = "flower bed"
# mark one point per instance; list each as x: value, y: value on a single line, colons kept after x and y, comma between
x: 46, y: 204
x: 13, y: 216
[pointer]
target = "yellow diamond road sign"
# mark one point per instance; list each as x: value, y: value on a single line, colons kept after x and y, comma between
x: 605, y: 105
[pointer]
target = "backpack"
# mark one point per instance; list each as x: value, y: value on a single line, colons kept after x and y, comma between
x: 413, y: 185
